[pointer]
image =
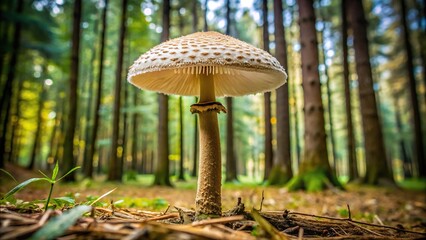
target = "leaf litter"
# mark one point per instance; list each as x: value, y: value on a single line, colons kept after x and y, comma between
x: 249, y: 213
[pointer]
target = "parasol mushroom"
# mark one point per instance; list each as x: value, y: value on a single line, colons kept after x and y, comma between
x: 207, y: 65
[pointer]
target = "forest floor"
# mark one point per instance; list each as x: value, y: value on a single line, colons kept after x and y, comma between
x: 393, y: 207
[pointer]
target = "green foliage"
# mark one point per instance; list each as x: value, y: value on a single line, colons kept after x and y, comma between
x: 8, y: 174
x: 145, y: 203
x: 57, y: 226
x: 278, y: 176
x: 131, y: 175
x: 93, y: 201
x: 19, y: 204
x: 62, y: 202
x: 312, y: 181
x: 414, y: 184
x: 21, y: 186
x: 343, y: 212
x: 52, y: 180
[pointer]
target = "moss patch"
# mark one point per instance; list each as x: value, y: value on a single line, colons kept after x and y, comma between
x: 278, y: 176
x: 313, y: 181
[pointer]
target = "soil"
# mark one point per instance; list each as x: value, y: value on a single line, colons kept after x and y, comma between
x: 287, y: 212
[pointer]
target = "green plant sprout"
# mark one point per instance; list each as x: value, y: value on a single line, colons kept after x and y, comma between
x: 8, y: 174
x: 52, y: 180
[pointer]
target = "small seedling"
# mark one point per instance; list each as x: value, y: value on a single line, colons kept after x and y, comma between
x: 52, y: 180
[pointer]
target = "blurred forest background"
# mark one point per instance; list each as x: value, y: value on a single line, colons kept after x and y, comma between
x: 65, y: 97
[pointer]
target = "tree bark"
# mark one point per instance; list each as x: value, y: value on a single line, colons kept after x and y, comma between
x: 281, y: 172
x: 135, y: 135
x: 92, y: 145
x: 87, y: 161
x: 407, y: 166
x: 195, y: 152
x: 195, y: 147
x: 267, y: 100
x: 115, y: 171
x: 5, y: 102
x: 194, y: 16
x: 206, y: 25
x: 181, y: 145
x: 68, y: 156
x: 4, y: 38
x: 55, y: 135
x: 350, y: 147
x: 377, y: 170
x: 162, y: 166
x: 36, y: 144
x: 231, y: 164
x: 328, y: 91
x: 314, y: 171
x: 16, y: 128
x: 418, y: 150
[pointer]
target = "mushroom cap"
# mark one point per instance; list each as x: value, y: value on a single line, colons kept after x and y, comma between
x: 238, y: 68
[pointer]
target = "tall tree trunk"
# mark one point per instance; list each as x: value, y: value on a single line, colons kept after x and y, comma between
x: 195, y: 152
x: 206, y: 25
x: 122, y: 154
x: 293, y: 93
x: 92, y: 145
x: 231, y: 164
x: 296, y: 125
x: 4, y: 39
x: 376, y: 166
x: 115, y: 171
x: 314, y: 171
x: 135, y: 135
x: 8, y: 87
x: 162, y: 167
x: 350, y: 147
x: 14, y: 147
x: 194, y: 16
x: 419, y: 154
x: 68, y: 157
x: 328, y: 90
x: 36, y: 144
x: 55, y: 134
x: 89, y: 109
x: 281, y: 172
x: 421, y: 15
x: 267, y: 99
x: 195, y: 147
x: 407, y: 166
x: 59, y: 151
x: 181, y: 145
x: 181, y: 174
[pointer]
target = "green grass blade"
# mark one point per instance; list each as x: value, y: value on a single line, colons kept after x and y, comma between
x: 8, y: 174
x: 22, y: 185
x: 70, y: 171
x: 55, y: 171
x: 58, y: 225
x: 44, y: 175
x: 105, y: 194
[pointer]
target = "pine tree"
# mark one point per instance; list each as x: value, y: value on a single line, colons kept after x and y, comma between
x: 377, y: 170
x: 314, y: 171
x: 281, y: 172
x: 162, y: 166
x: 68, y: 157
x: 115, y: 171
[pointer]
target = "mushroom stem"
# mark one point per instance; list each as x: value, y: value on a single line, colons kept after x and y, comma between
x: 208, y: 198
